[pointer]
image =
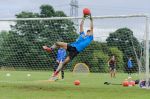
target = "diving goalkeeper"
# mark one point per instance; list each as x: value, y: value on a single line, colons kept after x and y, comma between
x: 73, y: 48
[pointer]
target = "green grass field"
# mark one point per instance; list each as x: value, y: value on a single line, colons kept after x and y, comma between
x: 19, y: 86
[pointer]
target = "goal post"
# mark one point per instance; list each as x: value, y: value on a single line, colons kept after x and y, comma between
x: 121, y: 35
x: 147, y: 53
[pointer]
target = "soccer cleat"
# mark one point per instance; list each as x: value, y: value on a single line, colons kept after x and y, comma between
x: 47, y: 49
x: 107, y: 83
x: 53, y: 78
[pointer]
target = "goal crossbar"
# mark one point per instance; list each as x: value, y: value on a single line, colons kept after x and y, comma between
x: 62, y: 18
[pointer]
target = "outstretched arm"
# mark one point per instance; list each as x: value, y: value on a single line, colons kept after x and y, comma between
x: 81, y: 24
x: 91, y: 25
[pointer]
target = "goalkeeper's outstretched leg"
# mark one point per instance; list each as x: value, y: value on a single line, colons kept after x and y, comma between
x: 73, y: 48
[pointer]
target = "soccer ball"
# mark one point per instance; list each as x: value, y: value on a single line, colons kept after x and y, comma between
x: 86, y: 11
x: 77, y: 82
x: 125, y: 83
x: 28, y: 75
x: 8, y: 74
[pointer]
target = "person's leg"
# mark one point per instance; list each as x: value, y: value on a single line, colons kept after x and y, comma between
x: 59, y: 44
x: 62, y: 71
x: 62, y: 74
x: 56, y: 45
x: 62, y: 65
x: 129, y: 72
x: 110, y: 70
x: 72, y: 53
x: 55, y: 66
x: 114, y: 73
x: 111, y: 74
x: 59, y: 68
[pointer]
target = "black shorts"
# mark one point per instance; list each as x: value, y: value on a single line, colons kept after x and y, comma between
x: 72, y: 51
x: 112, y: 67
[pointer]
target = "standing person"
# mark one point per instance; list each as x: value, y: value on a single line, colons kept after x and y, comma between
x: 61, y: 55
x: 73, y: 48
x: 130, y: 66
x: 112, y: 66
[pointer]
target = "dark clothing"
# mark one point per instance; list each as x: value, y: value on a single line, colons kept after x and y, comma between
x: 72, y: 51
x: 112, y: 62
x: 112, y: 65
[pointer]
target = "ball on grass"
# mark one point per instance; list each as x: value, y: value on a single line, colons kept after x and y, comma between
x: 8, y: 74
x: 86, y: 11
x: 77, y: 82
x: 125, y: 83
x: 28, y: 75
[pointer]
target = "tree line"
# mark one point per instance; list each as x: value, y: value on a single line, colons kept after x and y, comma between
x: 21, y: 47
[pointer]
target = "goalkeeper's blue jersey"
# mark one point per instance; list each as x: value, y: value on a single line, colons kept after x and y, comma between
x: 61, y: 54
x: 82, y: 42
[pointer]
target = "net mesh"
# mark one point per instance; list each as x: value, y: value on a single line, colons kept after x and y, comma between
x: 81, y: 68
x: 21, y: 44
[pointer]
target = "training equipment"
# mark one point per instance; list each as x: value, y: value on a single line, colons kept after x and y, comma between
x: 109, y: 83
x: 143, y: 84
x: 86, y: 11
x: 77, y: 82
x: 8, y: 74
x: 122, y: 35
x: 125, y: 83
x: 81, y: 68
x: 28, y: 75
x: 132, y: 83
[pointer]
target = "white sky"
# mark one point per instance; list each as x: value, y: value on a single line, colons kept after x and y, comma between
x: 8, y: 8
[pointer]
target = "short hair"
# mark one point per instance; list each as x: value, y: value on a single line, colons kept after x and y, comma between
x: 88, y: 30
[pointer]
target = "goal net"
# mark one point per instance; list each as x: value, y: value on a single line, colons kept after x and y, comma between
x: 123, y: 36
